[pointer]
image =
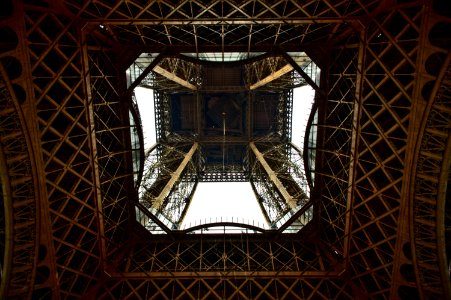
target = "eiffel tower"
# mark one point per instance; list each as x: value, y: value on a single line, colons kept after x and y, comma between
x: 360, y: 210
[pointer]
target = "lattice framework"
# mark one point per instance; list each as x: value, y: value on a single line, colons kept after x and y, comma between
x: 70, y: 91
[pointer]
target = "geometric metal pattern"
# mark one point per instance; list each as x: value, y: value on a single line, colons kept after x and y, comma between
x: 431, y: 206
x: 18, y: 211
x: 288, y: 176
x: 228, y: 267
x: 431, y: 196
x: 381, y: 211
x: 219, y: 107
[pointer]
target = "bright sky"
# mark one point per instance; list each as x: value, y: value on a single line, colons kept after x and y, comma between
x: 302, y: 105
x: 144, y: 98
x: 213, y: 200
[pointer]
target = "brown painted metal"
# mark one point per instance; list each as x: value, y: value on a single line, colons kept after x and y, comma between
x: 174, y: 177
x: 279, y: 73
x: 273, y: 177
x: 382, y: 167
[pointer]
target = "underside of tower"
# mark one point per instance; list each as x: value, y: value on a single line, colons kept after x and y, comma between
x: 359, y: 210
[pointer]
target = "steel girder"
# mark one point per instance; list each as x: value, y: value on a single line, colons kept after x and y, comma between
x: 19, y: 198
x: 369, y: 120
x: 226, y: 266
x: 228, y: 288
x: 278, y: 180
x: 169, y: 181
x: 390, y: 92
x: 202, y: 23
x: 430, y: 191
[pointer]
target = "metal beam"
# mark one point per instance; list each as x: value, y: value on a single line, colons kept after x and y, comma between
x: 174, y: 50
x: 227, y: 274
x: 273, y: 76
x: 301, y: 72
x: 294, y: 217
x: 224, y: 21
x: 145, y: 73
x: 273, y: 177
x: 155, y: 219
x: 173, y: 77
x: 175, y: 176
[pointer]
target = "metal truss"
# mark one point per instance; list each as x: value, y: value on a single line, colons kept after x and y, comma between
x: 380, y: 207
x: 169, y: 181
x: 278, y: 181
x: 162, y: 115
x: 431, y: 208
x: 59, y: 107
x: 173, y: 74
x: 431, y: 182
x: 281, y: 126
x: 225, y: 267
x: 334, y: 143
x: 227, y: 256
x: 389, y: 88
x: 229, y: 173
x: 310, y: 145
x: 136, y: 141
x: 272, y: 73
x: 139, y: 70
x: 171, y: 174
x: 19, y: 196
x: 114, y: 170
x: 273, y: 206
x: 229, y: 288
x: 186, y: 73
x: 200, y: 24
x: 284, y: 115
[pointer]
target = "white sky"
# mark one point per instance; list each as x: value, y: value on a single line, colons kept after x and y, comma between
x: 214, y: 200
x: 144, y: 98
x: 302, y: 105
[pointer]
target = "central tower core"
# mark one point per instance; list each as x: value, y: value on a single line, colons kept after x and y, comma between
x: 221, y: 119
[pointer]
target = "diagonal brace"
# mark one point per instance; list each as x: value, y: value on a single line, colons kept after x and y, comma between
x: 273, y: 76
x: 301, y: 72
x: 174, y: 178
x: 273, y: 177
x: 173, y: 77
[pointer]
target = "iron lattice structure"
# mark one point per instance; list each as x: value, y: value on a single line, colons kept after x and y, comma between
x: 378, y: 203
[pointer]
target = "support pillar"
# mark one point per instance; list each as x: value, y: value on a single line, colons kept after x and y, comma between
x: 273, y: 177
x: 174, y: 178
